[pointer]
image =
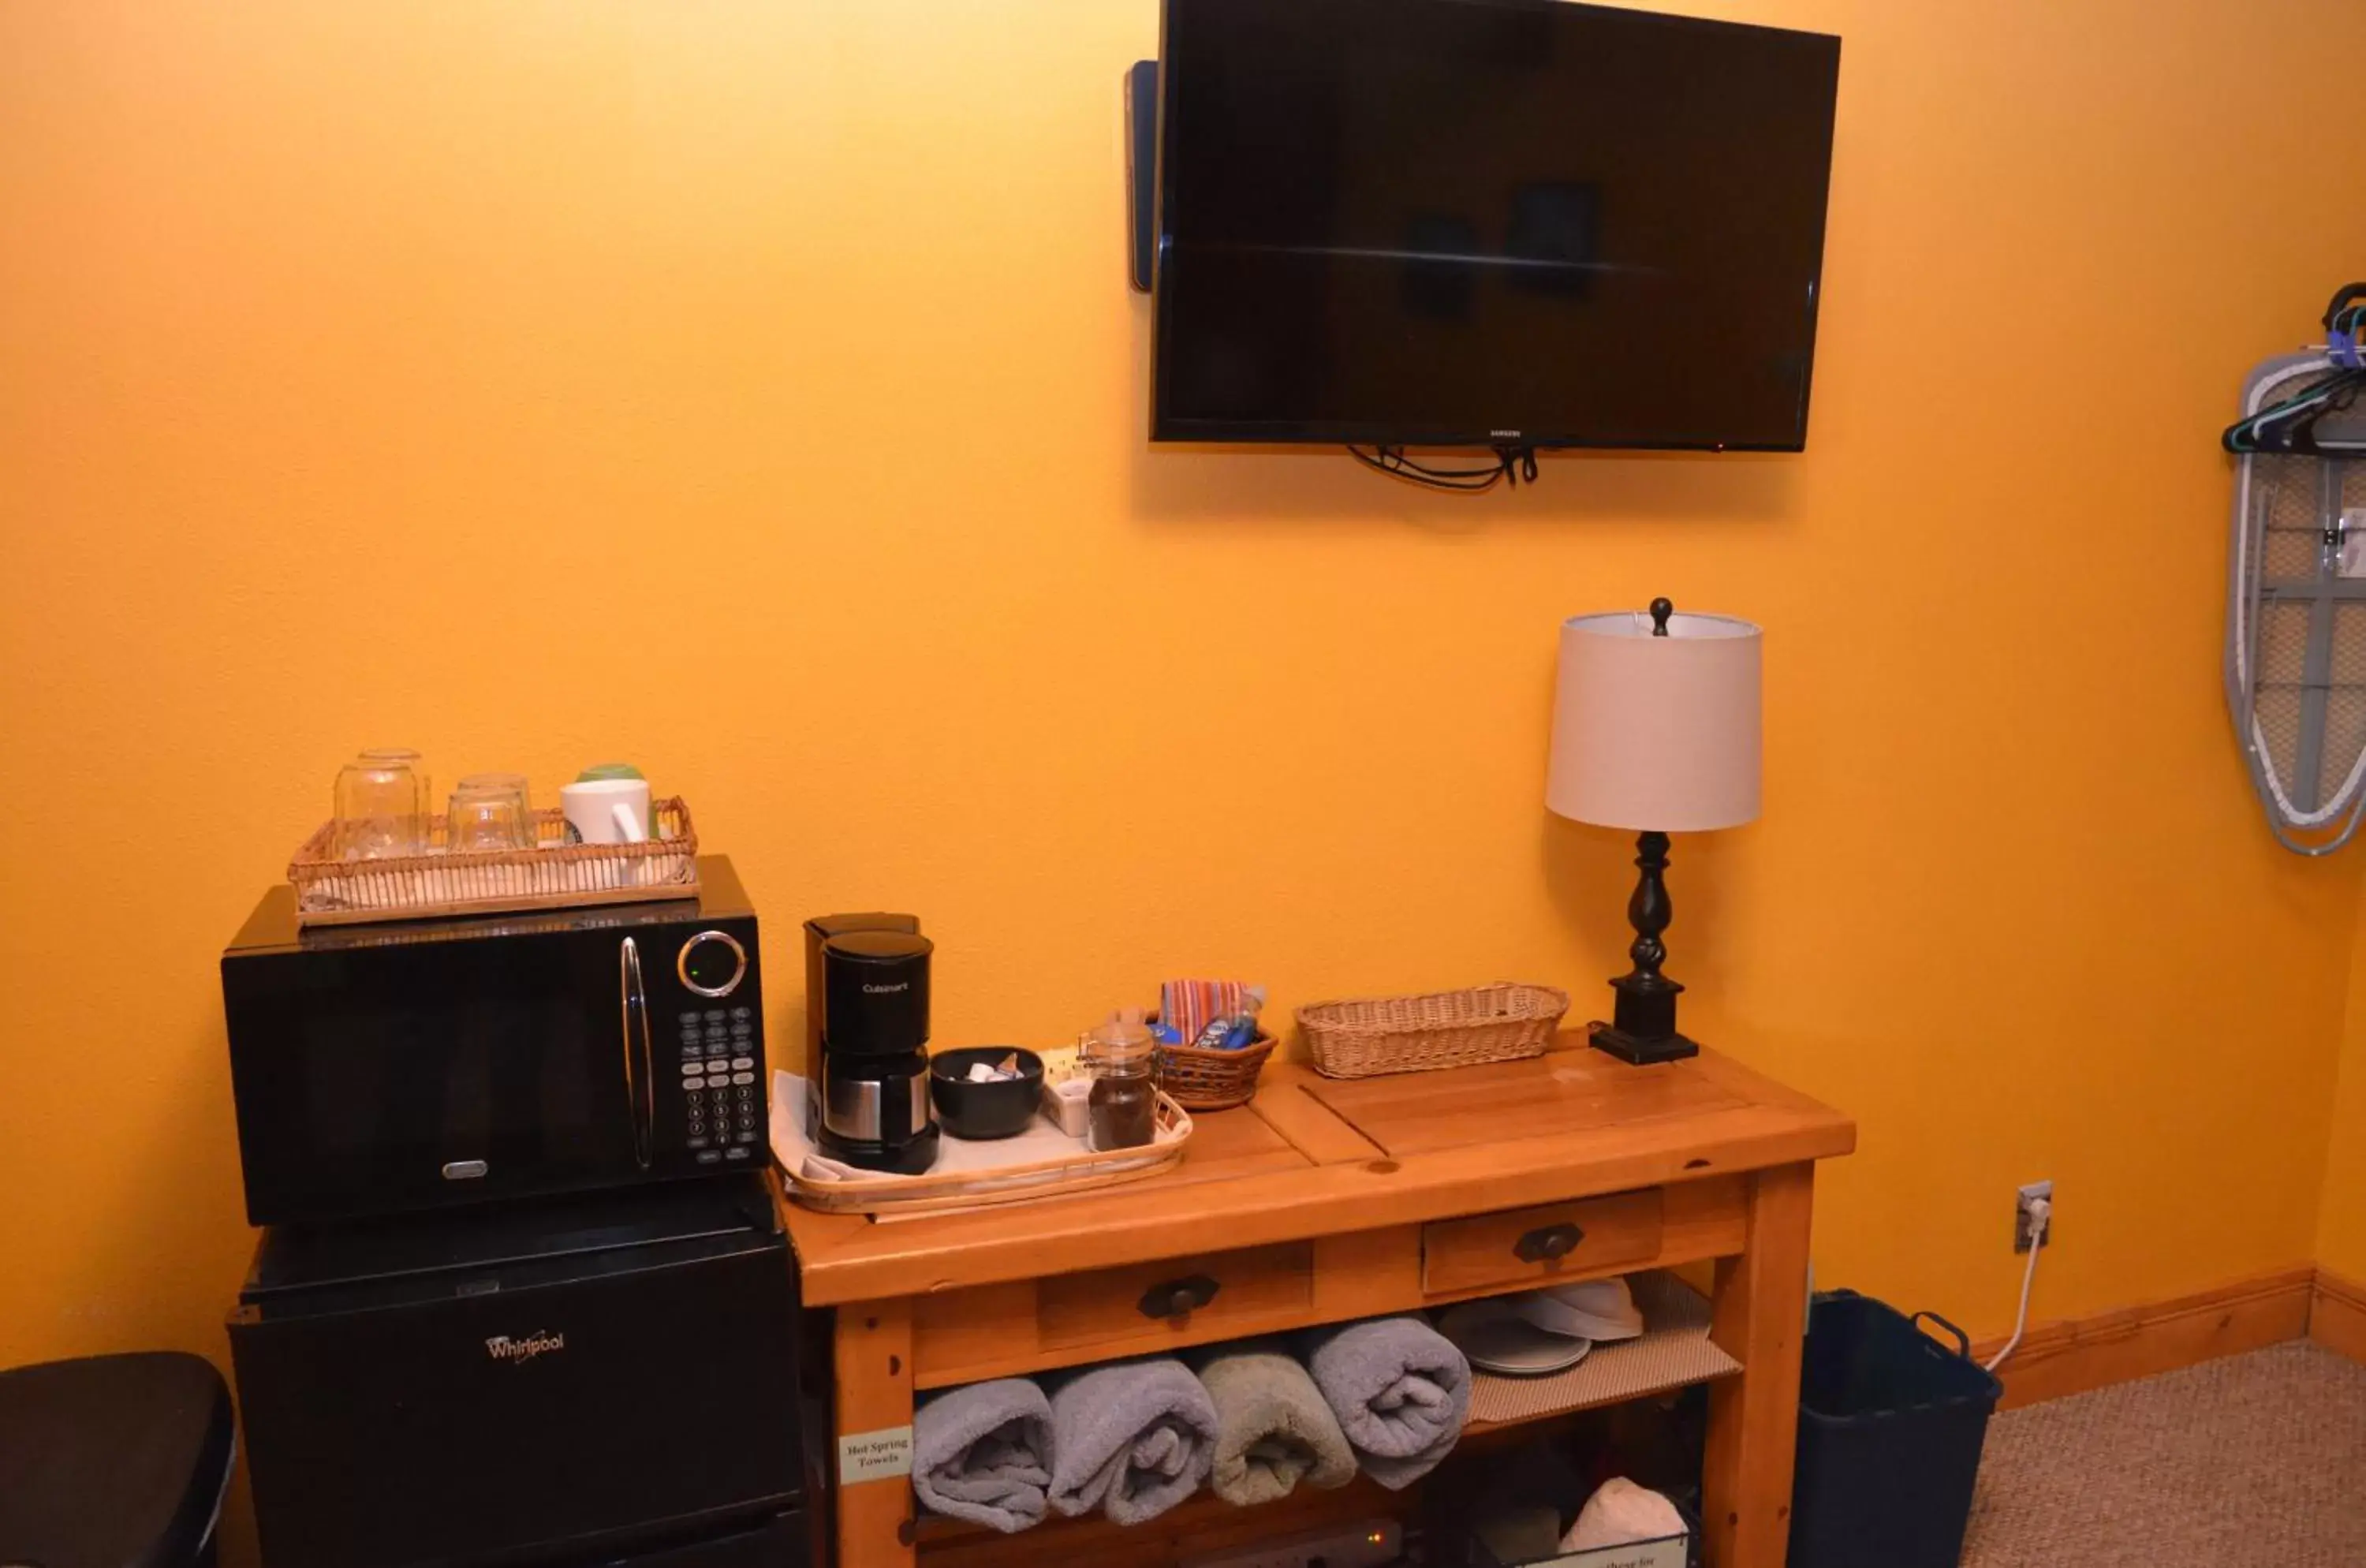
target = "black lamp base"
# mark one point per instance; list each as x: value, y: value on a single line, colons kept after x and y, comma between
x: 1638, y: 1049
x: 1642, y: 1027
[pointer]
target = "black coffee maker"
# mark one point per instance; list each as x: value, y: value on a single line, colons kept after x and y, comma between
x: 867, y: 1035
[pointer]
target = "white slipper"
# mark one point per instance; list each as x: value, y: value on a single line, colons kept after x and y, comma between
x: 1599, y: 1310
x: 1495, y: 1336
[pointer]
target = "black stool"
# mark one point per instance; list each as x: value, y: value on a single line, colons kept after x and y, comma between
x: 112, y: 1462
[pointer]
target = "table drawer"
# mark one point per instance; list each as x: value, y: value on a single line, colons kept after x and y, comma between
x: 1514, y: 1248
x: 1208, y: 1291
x: 995, y: 1330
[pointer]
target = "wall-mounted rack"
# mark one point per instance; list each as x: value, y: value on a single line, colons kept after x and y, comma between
x: 1142, y: 167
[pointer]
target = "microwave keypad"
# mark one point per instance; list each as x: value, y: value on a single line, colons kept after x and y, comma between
x: 718, y: 1082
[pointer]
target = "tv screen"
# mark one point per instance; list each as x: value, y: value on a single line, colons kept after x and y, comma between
x: 1514, y: 223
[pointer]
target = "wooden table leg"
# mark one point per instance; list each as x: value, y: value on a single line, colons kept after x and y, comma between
x: 1760, y: 1319
x: 874, y: 1406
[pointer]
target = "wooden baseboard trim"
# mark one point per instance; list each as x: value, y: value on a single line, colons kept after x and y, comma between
x: 2336, y: 1316
x: 2080, y: 1354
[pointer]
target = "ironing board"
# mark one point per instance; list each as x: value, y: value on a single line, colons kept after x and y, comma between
x: 2296, y: 661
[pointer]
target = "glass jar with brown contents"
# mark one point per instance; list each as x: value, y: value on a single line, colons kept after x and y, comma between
x: 1121, y: 1111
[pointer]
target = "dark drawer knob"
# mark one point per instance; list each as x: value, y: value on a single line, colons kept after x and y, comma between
x: 1178, y: 1298
x: 1547, y: 1243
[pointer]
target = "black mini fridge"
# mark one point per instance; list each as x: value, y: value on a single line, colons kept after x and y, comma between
x: 602, y: 1379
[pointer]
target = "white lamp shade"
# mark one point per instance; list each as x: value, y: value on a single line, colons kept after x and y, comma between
x: 1656, y: 734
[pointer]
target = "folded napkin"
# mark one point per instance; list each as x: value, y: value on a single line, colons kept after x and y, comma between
x: 1273, y: 1426
x: 984, y: 1453
x: 1132, y: 1438
x: 1400, y: 1390
x: 1621, y: 1514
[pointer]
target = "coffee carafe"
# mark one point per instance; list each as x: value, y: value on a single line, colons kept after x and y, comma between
x: 868, y: 1016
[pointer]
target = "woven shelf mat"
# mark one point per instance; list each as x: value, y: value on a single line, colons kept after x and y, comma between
x: 1674, y: 1349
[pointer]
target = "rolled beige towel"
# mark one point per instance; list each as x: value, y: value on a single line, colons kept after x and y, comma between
x: 1273, y: 1426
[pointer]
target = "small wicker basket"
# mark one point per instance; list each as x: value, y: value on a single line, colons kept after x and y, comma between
x: 1199, y: 1080
x: 1502, y: 1022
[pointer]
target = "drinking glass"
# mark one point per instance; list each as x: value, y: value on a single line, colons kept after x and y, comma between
x: 380, y: 805
x: 488, y: 811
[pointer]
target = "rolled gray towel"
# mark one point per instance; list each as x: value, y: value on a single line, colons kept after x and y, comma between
x: 1273, y: 1426
x: 984, y: 1453
x: 1132, y: 1438
x: 1400, y: 1390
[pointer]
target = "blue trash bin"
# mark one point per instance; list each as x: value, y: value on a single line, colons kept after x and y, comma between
x: 1891, y: 1428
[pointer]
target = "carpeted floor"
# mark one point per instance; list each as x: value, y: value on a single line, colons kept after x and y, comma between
x: 2252, y: 1459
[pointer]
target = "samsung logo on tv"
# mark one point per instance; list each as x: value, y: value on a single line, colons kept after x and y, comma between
x: 1502, y: 435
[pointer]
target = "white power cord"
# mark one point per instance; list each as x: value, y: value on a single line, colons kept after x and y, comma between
x: 2040, y: 1211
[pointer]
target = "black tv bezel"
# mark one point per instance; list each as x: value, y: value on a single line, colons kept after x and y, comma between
x: 1165, y: 429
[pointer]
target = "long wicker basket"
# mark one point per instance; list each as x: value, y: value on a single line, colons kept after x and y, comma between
x: 1502, y: 1022
x: 1199, y: 1080
x: 554, y: 875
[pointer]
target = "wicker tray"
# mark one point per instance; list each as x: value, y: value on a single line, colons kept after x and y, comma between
x: 1500, y: 1022
x: 1202, y: 1080
x: 967, y: 1175
x: 554, y: 875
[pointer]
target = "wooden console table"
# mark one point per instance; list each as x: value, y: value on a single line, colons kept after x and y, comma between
x: 1325, y: 1200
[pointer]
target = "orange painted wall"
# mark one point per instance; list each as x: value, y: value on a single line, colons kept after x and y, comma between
x: 2341, y: 1220
x: 751, y: 389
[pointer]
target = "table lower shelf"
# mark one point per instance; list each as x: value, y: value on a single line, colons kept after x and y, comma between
x: 1204, y: 1524
x: 1674, y: 1352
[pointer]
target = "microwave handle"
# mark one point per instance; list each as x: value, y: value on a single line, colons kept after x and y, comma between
x: 640, y: 1084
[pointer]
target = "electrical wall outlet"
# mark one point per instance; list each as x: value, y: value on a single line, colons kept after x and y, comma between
x: 1365, y: 1545
x: 2022, y: 1238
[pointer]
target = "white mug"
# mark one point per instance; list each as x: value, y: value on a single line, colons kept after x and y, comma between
x: 606, y: 811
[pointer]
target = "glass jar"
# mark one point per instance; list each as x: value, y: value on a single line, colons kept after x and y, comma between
x: 1122, y: 1110
x: 489, y: 812
x: 382, y: 806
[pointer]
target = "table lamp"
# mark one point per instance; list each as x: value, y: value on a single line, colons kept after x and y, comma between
x: 1655, y: 730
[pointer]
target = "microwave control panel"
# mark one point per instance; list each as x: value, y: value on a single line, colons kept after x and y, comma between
x: 723, y: 1093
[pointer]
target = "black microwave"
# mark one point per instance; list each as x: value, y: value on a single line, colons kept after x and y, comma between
x: 385, y: 1069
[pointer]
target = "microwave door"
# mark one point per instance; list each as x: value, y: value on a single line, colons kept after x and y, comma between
x: 448, y: 1073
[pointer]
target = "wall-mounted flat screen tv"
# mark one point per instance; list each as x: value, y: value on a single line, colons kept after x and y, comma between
x: 1489, y: 222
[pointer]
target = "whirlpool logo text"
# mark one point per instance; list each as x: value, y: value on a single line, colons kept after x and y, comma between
x: 502, y: 1348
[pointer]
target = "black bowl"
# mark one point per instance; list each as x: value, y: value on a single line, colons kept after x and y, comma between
x: 998, y: 1110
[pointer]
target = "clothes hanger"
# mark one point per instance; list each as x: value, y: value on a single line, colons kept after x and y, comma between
x: 2271, y: 429
x: 2289, y: 427
x: 2299, y: 436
